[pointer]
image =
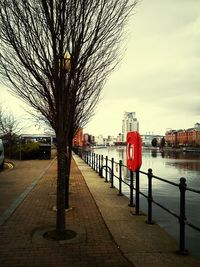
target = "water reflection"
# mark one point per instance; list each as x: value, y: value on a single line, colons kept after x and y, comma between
x: 186, y: 165
x: 158, y: 160
x: 154, y: 153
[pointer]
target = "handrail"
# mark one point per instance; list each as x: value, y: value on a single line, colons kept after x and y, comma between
x: 97, y: 163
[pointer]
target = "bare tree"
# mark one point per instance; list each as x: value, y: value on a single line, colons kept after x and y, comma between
x: 56, y: 56
x: 9, y: 126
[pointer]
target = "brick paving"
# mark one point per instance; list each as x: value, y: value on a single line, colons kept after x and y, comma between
x: 96, y: 248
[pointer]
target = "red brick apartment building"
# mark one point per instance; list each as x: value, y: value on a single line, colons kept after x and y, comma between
x: 189, y: 137
x: 81, y: 139
x: 78, y: 138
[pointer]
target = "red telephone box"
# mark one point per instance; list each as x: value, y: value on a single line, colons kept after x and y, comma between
x: 134, y: 151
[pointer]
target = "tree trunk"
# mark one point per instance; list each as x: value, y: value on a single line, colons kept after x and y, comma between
x: 61, y: 184
x: 67, y: 175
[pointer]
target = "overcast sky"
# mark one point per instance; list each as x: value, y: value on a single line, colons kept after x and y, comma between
x: 159, y: 76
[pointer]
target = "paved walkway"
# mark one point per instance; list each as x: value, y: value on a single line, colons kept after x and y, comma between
x: 143, y: 244
x: 94, y: 246
x: 108, y: 234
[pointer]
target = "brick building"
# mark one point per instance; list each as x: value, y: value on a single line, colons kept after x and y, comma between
x: 189, y: 137
x: 78, y: 138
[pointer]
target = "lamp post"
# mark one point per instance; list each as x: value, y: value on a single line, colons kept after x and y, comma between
x: 65, y: 69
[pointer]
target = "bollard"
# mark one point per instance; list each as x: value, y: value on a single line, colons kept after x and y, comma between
x: 120, y: 178
x: 131, y: 190
x: 182, y: 218
x: 150, y: 198
x: 112, y: 173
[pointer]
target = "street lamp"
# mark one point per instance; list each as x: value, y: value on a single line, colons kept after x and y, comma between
x: 67, y: 62
x: 64, y: 63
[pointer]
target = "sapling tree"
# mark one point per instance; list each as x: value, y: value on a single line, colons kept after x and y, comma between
x: 10, y: 127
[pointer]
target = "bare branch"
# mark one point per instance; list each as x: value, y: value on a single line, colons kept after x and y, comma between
x: 36, y: 36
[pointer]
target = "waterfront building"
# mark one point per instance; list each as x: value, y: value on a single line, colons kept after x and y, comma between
x: 188, y: 137
x: 147, y: 139
x: 119, y: 137
x: 78, y: 138
x: 85, y: 139
x: 99, y: 140
x: 129, y: 124
x: 88, y: 139
x: 197, y: 126
x: 110, y: 140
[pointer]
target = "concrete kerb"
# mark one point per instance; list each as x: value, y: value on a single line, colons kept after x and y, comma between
x: 143, y: 244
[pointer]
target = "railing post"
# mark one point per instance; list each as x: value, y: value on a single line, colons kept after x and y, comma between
x: 90, y: 160
x: 106, y: 180
x: 112, y: 173
x: 93, y: 161
x: 137, y: 193
x: 97, y: 163
x: 131, y: 190
x: 101, y: 169
x: 182, y: 218
x: 87, y: 157
x: 120, y: 178
x: 150, y: 197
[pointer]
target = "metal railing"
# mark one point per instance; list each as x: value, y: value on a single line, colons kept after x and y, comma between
x: 102, y: 164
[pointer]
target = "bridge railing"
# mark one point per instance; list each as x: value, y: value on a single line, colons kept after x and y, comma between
x: 112, y: 172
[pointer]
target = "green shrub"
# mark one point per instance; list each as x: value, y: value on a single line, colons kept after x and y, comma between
x: 24, y: 151
x: 29, y: 151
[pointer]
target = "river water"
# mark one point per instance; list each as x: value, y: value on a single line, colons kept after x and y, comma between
x: 172, y: 166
